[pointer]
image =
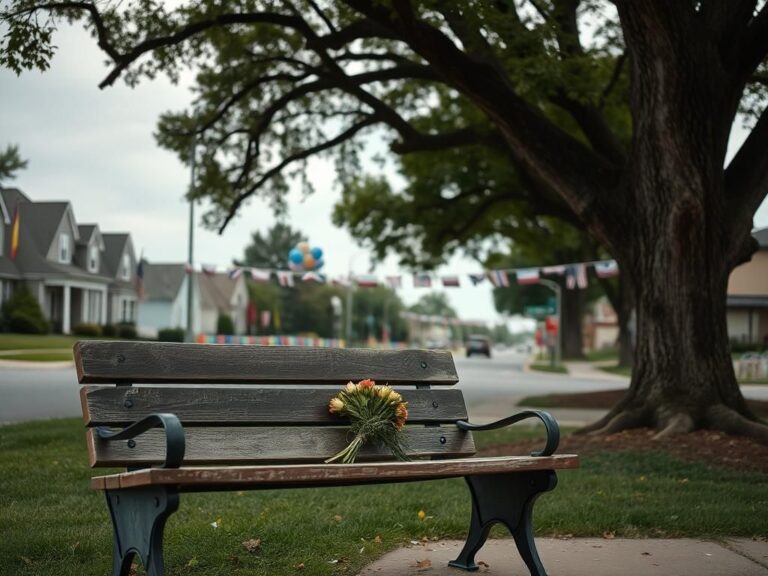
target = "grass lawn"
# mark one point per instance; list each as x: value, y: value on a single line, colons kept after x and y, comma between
x: 53, y: 524
x: 547, y: 367
x: 33, y: 341
x: 35, y: 356
x: 620, y: 370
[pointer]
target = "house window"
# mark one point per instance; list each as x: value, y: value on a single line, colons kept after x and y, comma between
x: 126, y: 267
x: 64, y: 256
x: 93, y: 259
x: 124, y: 315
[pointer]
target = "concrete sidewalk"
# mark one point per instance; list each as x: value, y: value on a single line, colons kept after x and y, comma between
x: 586, y: 557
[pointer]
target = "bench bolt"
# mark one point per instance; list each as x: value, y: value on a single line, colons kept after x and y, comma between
x: 423, y: 364
x: 434, y: 403
x: 131, y: 443
x: 443, y: 440
x: 128, y: 403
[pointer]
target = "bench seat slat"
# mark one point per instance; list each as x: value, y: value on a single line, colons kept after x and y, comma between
x: 120, y: 406
x: 158, y: 362
x: 250, y: 445
x: 240, y: 477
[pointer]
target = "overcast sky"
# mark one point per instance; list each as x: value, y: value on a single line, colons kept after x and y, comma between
x: 95, y: 148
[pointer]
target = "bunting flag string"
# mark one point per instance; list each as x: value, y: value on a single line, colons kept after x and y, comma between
x: 575, y: 273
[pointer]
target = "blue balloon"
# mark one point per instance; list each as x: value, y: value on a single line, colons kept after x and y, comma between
x: 317, y: 253
x: 296, y: 256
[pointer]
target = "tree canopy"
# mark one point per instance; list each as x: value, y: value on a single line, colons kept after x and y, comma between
x: 10, y: 163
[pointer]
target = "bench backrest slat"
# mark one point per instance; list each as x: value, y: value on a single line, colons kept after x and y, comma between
x: 259, y: 445
x: 119, y: 406
x: 152, y: 362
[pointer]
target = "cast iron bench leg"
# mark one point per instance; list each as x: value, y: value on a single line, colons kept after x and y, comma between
x: 138, y: 520
x: 508, y: 499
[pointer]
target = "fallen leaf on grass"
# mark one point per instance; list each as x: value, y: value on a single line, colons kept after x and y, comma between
x: 192, y: 562
x: 338, y: 518
x: 216, y: 523
x: 609, y: 535
x: 299, y: 566
x: 252, y: 545
x: 377, y: 540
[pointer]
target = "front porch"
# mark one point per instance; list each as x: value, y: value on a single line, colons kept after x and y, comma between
x: 69, y: 304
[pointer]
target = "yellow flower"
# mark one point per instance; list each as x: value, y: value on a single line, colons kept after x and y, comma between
x: 335, y: 405
x: 421, y: 515
x: 383, y: 392
x: 395, y: 397
x: 350, y: 388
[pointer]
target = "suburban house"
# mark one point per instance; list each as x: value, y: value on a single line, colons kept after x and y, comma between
x: 164, y: 302
x: 748, y: 296
x: 78, y: 274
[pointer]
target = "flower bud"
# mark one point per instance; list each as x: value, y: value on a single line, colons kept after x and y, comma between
x: 350, y: 388
x: 395, y: 397
x: 335, y: 405
x: 383, y: 392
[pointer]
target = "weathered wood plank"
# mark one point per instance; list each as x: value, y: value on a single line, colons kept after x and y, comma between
x: 119, y: 406
x: 244, y: 445
x: 158, y: 362
x: 242, y: 477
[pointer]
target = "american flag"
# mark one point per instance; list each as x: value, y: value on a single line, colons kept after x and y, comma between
x: 367, y: 281
x: 477, y: 278
x: 576, y: 276
x: 260, y: 275
x: 422, y: 280
x: 313, y: 277
x: 394, y: 282
x: 607, y: 269
x: 558, y: 269
x: 235, y: 273
x: 499, y: 278
x: 528, y: 276
x: 285, y: 278
x: 451, y: 281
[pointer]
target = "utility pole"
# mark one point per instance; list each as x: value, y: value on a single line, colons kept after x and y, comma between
x: 190, y: 256
x: 555, y: 287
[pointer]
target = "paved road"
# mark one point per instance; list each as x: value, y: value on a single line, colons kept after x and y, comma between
x: 492, y: 388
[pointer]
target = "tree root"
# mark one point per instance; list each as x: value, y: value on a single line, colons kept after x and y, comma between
x: 679, y: 423
x: 721, y: 417
x: 624, y: 420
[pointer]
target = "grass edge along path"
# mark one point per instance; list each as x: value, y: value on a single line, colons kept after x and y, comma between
x: 53, y: 524
x: 547, y: 367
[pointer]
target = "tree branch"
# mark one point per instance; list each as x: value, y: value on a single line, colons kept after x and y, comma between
x: 587, y: 182
x: 754, y: 46
x: 343, y: 137
x: 615, y: 75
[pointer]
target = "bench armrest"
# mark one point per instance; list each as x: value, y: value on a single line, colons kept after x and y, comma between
x: 174, y: 435
x: 553, y: 430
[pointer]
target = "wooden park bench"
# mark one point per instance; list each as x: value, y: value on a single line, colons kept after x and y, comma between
x: 207, y: 417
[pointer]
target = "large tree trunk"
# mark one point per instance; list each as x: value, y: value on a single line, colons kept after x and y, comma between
x: 627, y: 320
x: 571, y: 334
x: 679, y: 247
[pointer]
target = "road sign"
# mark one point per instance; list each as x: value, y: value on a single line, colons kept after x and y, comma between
x: 540, y: 311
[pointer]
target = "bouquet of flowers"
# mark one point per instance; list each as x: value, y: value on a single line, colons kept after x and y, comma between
x: 377, y: 414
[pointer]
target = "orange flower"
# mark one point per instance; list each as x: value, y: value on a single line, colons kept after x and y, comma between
x: 366, y: 384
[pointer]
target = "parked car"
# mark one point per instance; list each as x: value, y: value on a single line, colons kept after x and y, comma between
x: 478, y: 344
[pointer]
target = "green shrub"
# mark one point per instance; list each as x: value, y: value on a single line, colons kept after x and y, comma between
x: 21, y: 313
x: 126, y: 331
x: 170, y: 335
x: 87, y: 329
x: 109, y: 330
x: 744, y: 346
x: 224, y: 325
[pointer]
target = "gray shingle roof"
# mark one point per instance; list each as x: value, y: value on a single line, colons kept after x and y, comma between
x: 7, y: 268
x: 86, y: 231
x: 216, y: 290
x: 162, y: 281
x: 114, y: 245
x: 12, y: 197
x: 42, y: 219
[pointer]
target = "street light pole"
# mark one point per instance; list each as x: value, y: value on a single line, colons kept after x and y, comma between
x: 190, y: 256
x: 555, y: 287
